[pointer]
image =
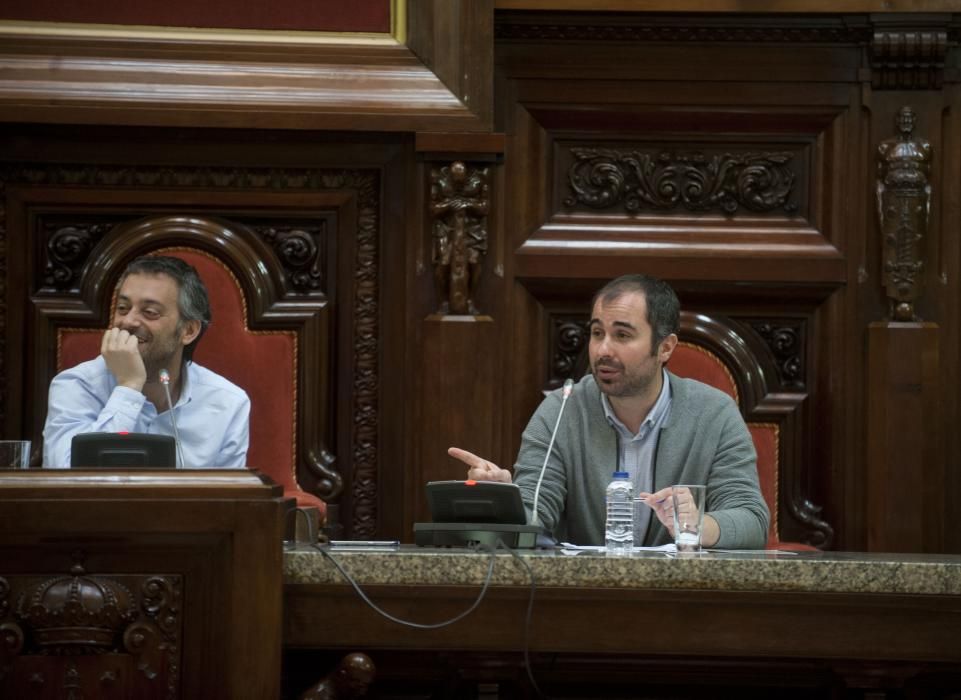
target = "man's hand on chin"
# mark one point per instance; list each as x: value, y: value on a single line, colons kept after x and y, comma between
x: 121, y: 352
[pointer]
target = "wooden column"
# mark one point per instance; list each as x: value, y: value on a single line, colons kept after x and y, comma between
x: 458, y: 395
x: 905, y: 453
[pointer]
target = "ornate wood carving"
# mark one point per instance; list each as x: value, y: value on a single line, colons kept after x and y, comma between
x: 351, y: 679
x: 568, y: 349
x: 908, y: 59
x: 121, y: 634
x: 303, y: 263
x: 67, y: 249
x: 785, y: 340
x: 302, y: 250
x: 4, y: 247
x: 904, y: 205
x: 460, y: 200
x: 603, y: 178
x: 636, y: 28
x: 366, y: 384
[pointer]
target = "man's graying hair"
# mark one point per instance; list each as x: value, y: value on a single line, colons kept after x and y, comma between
x: 192, y: 301
x: 663, y: 306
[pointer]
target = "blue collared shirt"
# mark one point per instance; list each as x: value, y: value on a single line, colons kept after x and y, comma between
x: 213, y: 415
x: 635, y: 452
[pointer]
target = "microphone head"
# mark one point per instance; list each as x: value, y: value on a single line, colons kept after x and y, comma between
x: 568, y: 387
x: 164, y: 377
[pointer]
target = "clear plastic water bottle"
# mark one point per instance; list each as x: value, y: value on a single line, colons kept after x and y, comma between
x: 619, y: 532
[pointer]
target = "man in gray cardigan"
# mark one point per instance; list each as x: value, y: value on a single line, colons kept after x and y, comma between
x: 632, y: 415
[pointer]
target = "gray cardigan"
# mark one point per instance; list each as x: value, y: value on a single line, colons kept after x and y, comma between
x: 703, y: 441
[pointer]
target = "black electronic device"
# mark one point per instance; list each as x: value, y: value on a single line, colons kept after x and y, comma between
x: 466, y: 513
x: 123, y: 450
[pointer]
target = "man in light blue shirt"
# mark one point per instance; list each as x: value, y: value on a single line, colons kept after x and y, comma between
x: 161, y: 313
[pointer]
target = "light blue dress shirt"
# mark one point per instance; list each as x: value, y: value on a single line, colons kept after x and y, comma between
x: 635, y: 453
x: 213, y: 415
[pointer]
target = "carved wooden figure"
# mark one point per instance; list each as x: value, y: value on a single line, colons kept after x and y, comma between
x: 904, y: 204
x: 460, y: 200
x: 349, y: 680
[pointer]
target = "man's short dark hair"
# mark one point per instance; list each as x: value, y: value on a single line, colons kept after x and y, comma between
x: 663, y: 306
x: 192, y: 300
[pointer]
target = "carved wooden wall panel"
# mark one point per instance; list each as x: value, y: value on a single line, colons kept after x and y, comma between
x: 735, y: 159
x: 117, y: 636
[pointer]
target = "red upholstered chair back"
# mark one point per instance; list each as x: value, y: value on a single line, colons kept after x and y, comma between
x: 263, y: 363
x: 696, y: 362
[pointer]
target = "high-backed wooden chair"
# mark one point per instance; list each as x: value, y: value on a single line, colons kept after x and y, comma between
x: 263, y: 363
x: 697, y: 362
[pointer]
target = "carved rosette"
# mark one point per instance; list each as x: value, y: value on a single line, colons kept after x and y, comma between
x: 604, y: 178
x: 302, y: 252
x: 785, y: 340
x: 155, y: 638
x: 11, y: 633
x: 459, y: 202
x: 568, y: 343
x: 67, y: 250
x: 903, y: 201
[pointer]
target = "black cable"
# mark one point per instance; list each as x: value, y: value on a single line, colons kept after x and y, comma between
x: 408, y: 623
x: 527, y: 620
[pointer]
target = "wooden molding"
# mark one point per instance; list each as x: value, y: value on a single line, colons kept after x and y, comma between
x: 156, y: 79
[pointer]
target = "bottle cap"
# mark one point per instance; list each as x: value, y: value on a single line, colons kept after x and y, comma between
x: 621, y: 475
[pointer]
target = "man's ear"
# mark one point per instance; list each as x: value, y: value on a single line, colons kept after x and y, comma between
x: 667, y: 348
x: 191, y: 331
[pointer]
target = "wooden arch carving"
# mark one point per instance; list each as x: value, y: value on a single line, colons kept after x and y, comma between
x: 255, y: 268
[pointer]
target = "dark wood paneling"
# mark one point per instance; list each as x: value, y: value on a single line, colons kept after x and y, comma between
x: 217, y: 533
x: 597, y: 108
x: 905, y: 508
x: 455, y: 41
x: 258, y: 189
x: 376, y: 85
x: 822, y: 88
x: 597, y: 643
x: 459, y: 351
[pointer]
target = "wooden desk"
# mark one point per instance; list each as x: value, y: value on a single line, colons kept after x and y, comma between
x: 140, y: 584
x: 820, y: 624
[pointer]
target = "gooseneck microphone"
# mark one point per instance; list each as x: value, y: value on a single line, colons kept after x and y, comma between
x: 165, y: 380
x: 568, y: 388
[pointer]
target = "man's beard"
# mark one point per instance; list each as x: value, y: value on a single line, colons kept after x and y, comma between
x: 158, y: 354
x: 630, y: 383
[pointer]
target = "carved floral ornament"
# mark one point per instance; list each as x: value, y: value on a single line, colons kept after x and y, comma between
x: 603, y: 178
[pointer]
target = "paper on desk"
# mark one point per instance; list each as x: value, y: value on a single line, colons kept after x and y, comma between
x: 670, y: 547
